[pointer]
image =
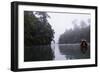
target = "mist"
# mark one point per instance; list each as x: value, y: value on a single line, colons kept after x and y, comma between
x: 61, y: 22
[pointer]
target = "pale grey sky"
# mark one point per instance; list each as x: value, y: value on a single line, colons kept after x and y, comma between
x: 63, y: 21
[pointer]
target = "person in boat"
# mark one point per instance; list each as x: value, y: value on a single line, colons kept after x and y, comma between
x: 83, y: 46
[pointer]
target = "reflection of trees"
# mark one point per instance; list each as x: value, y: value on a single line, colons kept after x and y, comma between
x: 37, y: 30
x: 38, y: 53
x: 76, y: 34
x: 72, y: 51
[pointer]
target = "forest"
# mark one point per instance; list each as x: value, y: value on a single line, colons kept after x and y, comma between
x: 78, y: 33
x: 38, y: 34
x: 37, y: 30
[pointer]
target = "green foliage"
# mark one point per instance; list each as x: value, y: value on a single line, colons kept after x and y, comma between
x: 37, y: 30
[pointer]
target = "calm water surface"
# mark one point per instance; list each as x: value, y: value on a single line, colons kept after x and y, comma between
x: 55, y: 52
x: 69, y: 51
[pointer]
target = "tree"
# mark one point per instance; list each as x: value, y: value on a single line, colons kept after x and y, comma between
x: 76, y: 34
x: 37, y: 30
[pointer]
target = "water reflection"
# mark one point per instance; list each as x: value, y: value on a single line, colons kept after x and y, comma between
x: 73, y: 51
x: 38, y: 53
x: 55, y: 52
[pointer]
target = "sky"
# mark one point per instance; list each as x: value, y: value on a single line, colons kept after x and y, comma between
x: 61, y: 22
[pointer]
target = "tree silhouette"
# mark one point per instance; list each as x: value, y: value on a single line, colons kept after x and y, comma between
x: 76, y: 34
x: 37, y: 30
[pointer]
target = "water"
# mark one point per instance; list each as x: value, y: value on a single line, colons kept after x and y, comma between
x: 55, y: 52
x: 69, y: 51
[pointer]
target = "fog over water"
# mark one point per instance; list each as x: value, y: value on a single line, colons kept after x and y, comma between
x: 61, y: 22
x: 69, y: 28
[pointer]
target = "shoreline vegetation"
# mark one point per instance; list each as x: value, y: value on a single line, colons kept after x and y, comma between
x: 38, y: 37
x: 76, y: 35
x: 37, y: 32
